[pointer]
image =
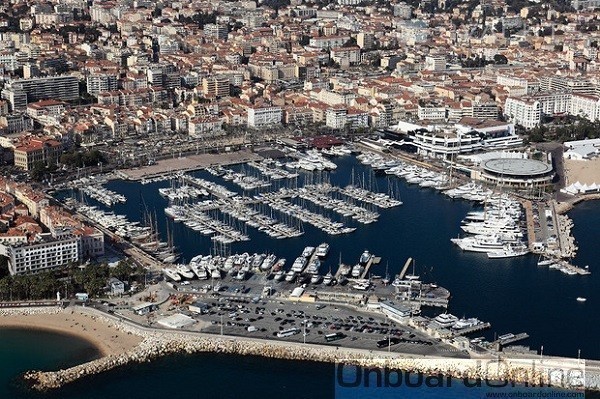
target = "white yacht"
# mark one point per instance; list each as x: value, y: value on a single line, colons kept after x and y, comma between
x: 328, y: 279
x: 446, y: 319
x: 241, y: 275
x: 308, y: 251
x: 279, y: 275
x: 268, y: 263
x: 299, y: 264
x: 357, y: 270
x: 184, y: 271
x: 290, y: 276
x: 466, y: 323
x: 322, y: 250
x: 313, y: 266
x: 172, y: 274
x: 509, y: 251
x: 315, y: 279
x: 365, y: 258
x: 215, y: 273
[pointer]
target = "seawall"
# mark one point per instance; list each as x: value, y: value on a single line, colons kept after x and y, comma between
x: 156, y: 343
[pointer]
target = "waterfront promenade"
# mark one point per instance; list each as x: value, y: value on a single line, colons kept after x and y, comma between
x: 141, y: 344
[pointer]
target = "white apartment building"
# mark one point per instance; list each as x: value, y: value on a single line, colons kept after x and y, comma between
x: 529, y: 85
x: 97, y: 83
x: 586, y: 106
x: 259, y: 117
x: 445, y: 143
x: 336, y: 118
x: 39, y: 256
x: 524, y: 111
x: 435, y: 63
x: 431, y: 112
x: 327, y: 42
x: 335, y: 98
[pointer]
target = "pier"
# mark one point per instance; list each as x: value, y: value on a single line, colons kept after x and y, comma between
x: 405, y: 268
x: 374, y: 260
x: 469, y: 330
x: 500, y: 342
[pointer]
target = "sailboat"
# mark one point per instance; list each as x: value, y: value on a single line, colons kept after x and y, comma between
x: 412, y: 276
x: 386, y: 279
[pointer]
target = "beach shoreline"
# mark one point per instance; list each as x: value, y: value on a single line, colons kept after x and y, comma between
x: 107, y: 339
x: 132, y: 343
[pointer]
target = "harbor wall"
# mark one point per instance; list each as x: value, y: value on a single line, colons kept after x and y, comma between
x: 158, y: 342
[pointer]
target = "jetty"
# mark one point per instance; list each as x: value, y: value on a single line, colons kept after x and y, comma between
x: 157, y: 342
x: 507, y: 340
x: 405, y: 268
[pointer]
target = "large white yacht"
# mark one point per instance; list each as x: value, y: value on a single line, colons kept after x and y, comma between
x: 446, y: 319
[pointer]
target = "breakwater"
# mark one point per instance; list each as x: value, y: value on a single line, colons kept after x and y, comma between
x: 156, y: 343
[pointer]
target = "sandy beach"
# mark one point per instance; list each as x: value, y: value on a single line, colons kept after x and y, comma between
x: 108, y: 340
x: 584, y: 172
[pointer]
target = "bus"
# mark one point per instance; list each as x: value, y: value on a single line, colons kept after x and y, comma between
x: 334, y: 336
x: 287, y: 333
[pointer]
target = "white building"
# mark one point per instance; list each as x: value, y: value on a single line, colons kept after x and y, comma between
x: 523, y: 111
x: 435, y: 63
x: 585, y: 106
x: 336, y: 118
x: 39, y: 256
x: 259, y: 117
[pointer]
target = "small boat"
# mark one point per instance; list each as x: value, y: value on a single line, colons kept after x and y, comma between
x: 279, y: 275
x: 290, y: 276
x: 545, y: 262
x: 315, y: 279
x: 328, y: 279
x: 322, y: 250
x: 581, y: 299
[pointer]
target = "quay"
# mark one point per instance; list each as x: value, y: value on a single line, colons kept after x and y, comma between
x: 187, y: 164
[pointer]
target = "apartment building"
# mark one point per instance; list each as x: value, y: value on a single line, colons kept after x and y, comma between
x: 20, y: 92
x: 264, y: 116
